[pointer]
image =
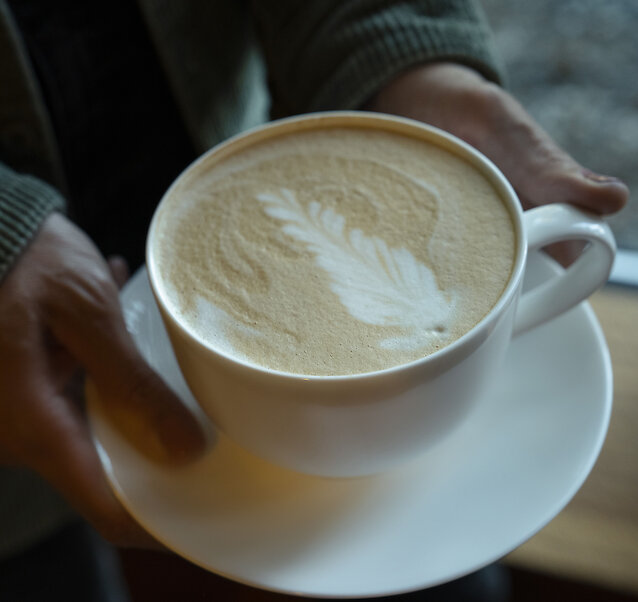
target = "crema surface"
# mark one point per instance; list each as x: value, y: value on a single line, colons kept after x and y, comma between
x: 334, y: 251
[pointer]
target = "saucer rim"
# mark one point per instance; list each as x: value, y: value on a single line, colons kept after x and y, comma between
x: 577, y: 480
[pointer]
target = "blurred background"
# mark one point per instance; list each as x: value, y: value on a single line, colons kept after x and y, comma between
x: 574, y: 66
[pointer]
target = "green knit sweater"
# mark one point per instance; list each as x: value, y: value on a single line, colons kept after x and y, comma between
x: 227, y: 63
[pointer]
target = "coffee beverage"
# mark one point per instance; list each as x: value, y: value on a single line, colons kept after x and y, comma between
x: 340, y: 289
x: 333, y: 250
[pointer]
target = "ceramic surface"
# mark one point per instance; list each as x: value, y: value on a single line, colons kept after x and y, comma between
x: 495, y: 481
x: 362, y: 424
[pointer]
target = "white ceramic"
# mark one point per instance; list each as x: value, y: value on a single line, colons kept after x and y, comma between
x: 488, y: 487
x: 363, y: 424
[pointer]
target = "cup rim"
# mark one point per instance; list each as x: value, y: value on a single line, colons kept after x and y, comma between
x: 381, y: 121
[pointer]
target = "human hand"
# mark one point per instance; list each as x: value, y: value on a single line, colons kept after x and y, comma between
x: 457, y: 99
x: 60, y: 315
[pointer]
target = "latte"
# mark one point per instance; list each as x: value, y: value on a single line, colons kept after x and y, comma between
x: 333, y: 251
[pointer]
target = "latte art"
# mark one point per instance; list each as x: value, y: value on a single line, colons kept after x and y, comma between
x: 335, y: 251
x: 376, y: 284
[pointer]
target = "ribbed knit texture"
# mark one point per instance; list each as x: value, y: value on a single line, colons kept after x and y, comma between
x: 24, y: 203
x: 334, y: 55
x: 212, y: 61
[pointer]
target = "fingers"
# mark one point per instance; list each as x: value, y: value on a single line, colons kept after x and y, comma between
x: 59, y: 311
x: 136, y: 399
x: 565, y: 253
x: 150, y: 417
x: 540, y: 171
x: 119, y: 269
x: 83, y: 312
x: 457, y: 99
x: 72, y: 465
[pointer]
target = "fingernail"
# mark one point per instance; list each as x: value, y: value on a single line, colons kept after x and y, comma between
x: 598, y: 178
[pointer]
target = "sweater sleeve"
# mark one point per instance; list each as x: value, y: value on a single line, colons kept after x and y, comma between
x: 336, y: 54
x: 25, y: 202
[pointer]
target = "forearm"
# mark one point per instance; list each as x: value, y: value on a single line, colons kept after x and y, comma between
x: 25, y: 202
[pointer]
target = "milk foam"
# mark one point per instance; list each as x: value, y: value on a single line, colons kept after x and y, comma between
x: 377, y: 284
x: 325, y: 255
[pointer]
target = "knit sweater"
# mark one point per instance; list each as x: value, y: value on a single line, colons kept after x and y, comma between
x: 228, y: 64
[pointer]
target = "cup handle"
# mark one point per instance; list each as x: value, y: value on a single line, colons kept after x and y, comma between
x: 555, y: 223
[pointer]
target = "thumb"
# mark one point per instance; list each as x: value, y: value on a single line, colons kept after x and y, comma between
x: 146, y: 412
x: 539, y: 169
x: 133, y: 396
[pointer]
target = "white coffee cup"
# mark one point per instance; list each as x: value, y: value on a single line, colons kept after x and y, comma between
x: 353, y: 425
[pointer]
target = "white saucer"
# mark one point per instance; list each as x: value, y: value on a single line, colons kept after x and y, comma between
x: 506, y: 472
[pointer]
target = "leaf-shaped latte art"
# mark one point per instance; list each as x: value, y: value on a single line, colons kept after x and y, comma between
x: 377, y: 284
